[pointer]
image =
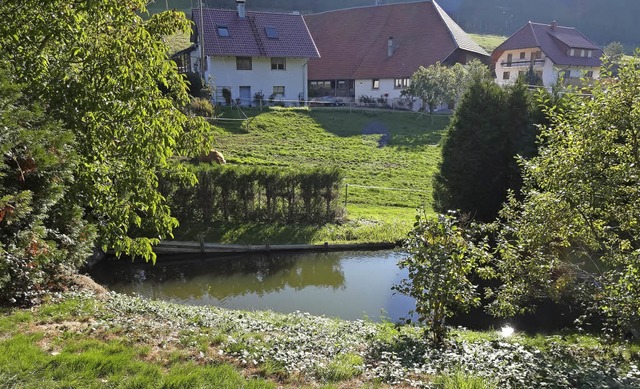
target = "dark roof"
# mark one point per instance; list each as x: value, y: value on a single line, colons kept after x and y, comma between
x: 554, y: 41
x: 248, y: 36
x: 353, y: 42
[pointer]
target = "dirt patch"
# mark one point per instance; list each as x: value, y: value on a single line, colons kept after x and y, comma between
x: 86, y: 283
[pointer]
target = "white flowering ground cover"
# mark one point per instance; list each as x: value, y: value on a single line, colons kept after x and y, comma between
x: 300, y: 349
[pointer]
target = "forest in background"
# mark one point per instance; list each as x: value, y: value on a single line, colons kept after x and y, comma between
x: 601, y: 21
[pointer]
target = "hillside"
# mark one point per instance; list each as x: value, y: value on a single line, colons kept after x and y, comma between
x: 601, y: 21
x: 389, y: 159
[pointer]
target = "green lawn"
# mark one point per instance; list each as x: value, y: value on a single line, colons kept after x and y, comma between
x: 488, y: 42
x: 120, y: 341
x: 389, y: 159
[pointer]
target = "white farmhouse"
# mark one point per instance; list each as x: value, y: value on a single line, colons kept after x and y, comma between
x: 373, y: 51
x: 250, y: 53
x: 549, y: 52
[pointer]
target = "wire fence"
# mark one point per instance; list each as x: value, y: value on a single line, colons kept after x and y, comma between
x: 382, y: 188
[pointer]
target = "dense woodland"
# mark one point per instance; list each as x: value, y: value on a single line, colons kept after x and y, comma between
x: 601, y: 21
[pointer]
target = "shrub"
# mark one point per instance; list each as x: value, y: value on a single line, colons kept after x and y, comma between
x: 226, y: 94
x: 237, y: 193
x: 442, y: 257
x: 42, y: 236
x: 201, y: 107
x: 197, y: 87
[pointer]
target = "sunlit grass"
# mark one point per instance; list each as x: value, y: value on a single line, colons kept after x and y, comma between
x: 488, y: 42
x: 389, y: 160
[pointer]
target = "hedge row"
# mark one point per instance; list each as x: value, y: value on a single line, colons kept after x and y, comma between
x: 250, y: 194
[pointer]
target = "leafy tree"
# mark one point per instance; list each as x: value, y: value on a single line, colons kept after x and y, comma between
x: 434, y: 85
x: 441, y: 260
x: 577, y: 230
x: 97, y: 68
x: 613, y: 51
x: 465, y: 75
x: 91, y: 112
x: 490, y: 127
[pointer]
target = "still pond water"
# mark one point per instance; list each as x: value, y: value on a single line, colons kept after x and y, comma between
x: 349, y: 285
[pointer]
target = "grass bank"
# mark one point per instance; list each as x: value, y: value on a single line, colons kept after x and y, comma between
x: 389, y: 159
x: 77, y: 340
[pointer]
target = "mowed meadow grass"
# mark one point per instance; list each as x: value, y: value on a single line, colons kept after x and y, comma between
x: 388, y: 157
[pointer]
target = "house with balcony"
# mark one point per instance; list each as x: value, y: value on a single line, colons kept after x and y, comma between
x: 373, y: 51
x: 245, y: 54
x: 548, y: 52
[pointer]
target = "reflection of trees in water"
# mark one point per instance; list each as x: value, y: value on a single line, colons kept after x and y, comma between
x: 227, y: 277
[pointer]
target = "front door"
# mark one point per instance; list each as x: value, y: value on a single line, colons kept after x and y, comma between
x: 245, y: 95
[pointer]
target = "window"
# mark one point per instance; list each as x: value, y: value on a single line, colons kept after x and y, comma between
x: 506, y: 75
x: 538, y: 54
x: 223, y: 31
x: 184, y: 62
x: 243, y: 63
x: 375, y: 84
x: 342, y: 84
x: 321, y: 84
x: 583, y: 53
x: 572, y: 52
x: 566, y: 74
x: 271, y: 32
x: 400, y: 83
x: 521, y: 73
x: 278, y: 90
x: 589, y: 74
x: 590, y: 53
x: 523, y: 55
x: 278, y: 63
x: 509, y: 59
x: 538, y: 74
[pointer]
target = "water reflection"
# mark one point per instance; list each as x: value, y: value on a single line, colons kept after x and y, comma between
x: 349, y: 285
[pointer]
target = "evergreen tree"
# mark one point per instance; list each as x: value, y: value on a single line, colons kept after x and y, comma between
x: 490, y: 128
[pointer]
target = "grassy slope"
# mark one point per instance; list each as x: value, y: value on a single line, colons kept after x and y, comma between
x: 405, y: 160
x: 488, y: 42
x: 125, y: 341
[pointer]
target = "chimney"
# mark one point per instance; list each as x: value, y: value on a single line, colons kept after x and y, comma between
x: 241, y: 9
x: 554, y: 24
x: 390, y: 48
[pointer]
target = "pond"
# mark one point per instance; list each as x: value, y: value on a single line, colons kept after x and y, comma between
x: 348, y: 285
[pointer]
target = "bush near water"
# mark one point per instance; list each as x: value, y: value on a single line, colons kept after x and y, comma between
x: 257, y: 194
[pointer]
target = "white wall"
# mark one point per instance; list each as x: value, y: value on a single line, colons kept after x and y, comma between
x: 550, y: 72
x: 223, y: 73
x: 365, y: 88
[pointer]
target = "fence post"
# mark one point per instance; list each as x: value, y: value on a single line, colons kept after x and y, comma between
x: 346, y: 194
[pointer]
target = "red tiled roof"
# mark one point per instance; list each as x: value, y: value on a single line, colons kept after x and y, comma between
x: 554, y: 43
x: 353, y: 42
x: 247, y: 37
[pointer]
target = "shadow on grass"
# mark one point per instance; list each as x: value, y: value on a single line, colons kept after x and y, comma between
x: 396, y: 129
x: 257, y: 234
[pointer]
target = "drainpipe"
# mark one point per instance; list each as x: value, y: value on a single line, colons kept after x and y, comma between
x: 305, y: 81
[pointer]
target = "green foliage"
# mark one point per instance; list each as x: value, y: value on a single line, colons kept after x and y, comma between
x: 197, y: 86
x: 342, y: 368
x: 226, y: 94
x: 584, y: 190
x: 201, y: 107
x: 442, y: 257
x: 490, y: 128
x: 613, y: 52
x: 236, y: 193
x: 434, y: 85
x: 42, y: 235
x: 439, y: 84
x: 96, y: 69
x: 462, y: 380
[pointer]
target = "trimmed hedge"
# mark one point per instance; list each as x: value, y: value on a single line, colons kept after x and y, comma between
x: 256, y: 194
